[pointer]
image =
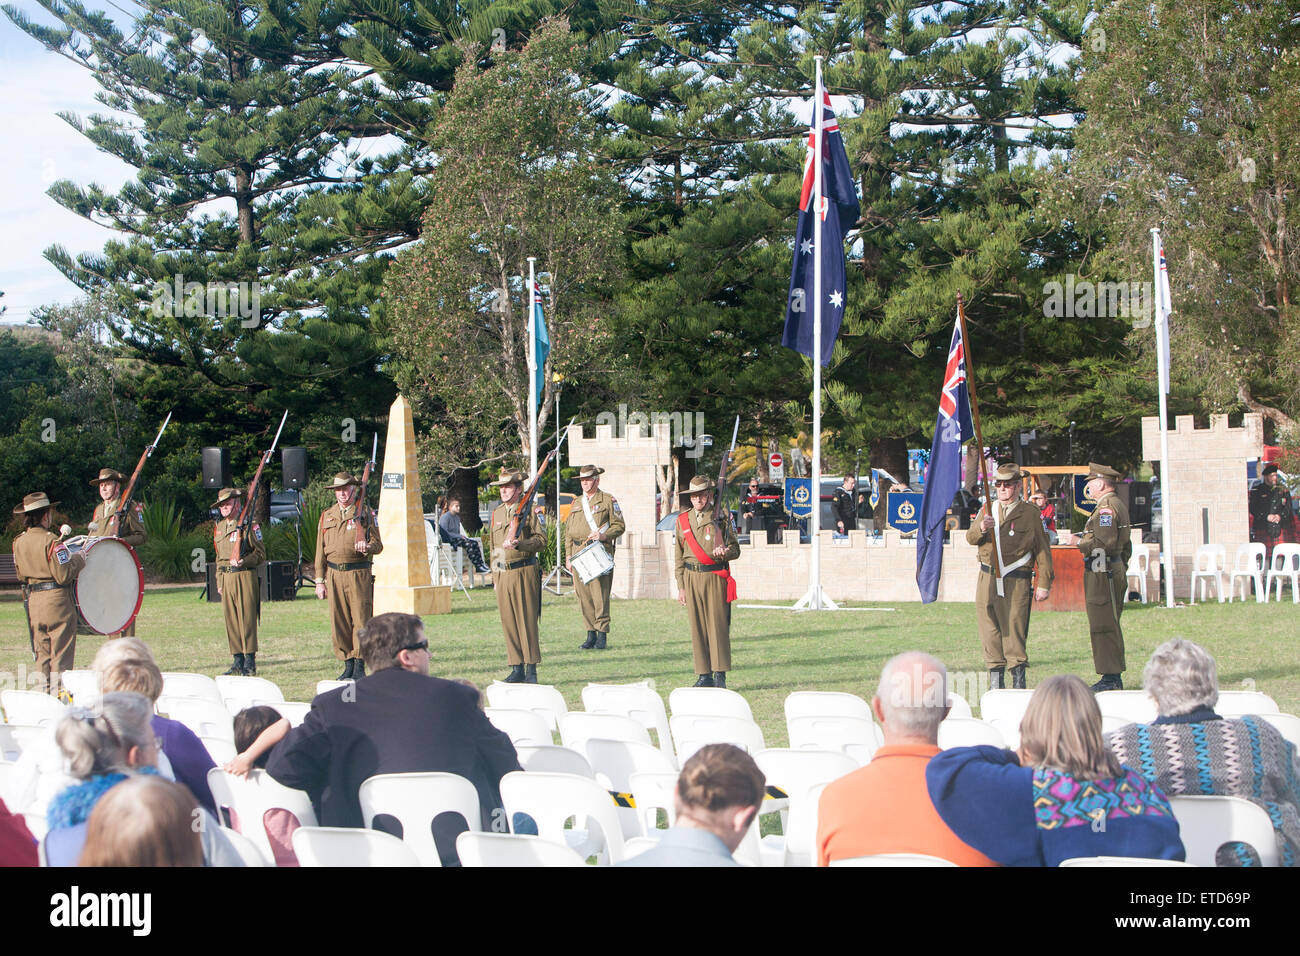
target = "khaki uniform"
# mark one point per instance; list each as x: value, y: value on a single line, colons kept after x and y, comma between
x: 1106, y: 548
x: 593, y: 598
x: 240, y: 586
x: 706, y: 592
x: 349, y: 583
x: 518, y: 583
x: 47, y: 569
x: 1004, y: 620
x: 130, y: 530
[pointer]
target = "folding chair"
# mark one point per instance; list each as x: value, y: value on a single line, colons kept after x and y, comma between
x: 446, y: 564
x: 415, y: 800
x: 349, y: 846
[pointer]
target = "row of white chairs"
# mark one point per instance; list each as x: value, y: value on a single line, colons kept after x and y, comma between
x: 1249, y: 567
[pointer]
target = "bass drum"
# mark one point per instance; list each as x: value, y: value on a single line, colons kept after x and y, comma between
x: 110, y: 588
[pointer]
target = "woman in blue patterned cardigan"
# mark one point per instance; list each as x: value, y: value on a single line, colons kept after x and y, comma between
x: 1062, y: 795
x: 1189, y: 750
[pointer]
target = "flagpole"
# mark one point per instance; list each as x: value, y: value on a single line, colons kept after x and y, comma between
x: 532, y: 368
x: 1162, y: 375
x: 979, y: 434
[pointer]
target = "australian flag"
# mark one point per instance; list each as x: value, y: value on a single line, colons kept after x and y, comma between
x: 542, y: 343
x: 951, y: 428
x: 840, y: 211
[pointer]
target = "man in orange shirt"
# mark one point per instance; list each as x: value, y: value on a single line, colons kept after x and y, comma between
x: 884, y: 807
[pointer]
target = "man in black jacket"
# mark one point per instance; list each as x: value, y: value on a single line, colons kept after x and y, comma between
x: 844, y: 507
x: 396, y: 720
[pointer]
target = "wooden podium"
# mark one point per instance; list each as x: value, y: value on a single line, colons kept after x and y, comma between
x: 1067, y: 581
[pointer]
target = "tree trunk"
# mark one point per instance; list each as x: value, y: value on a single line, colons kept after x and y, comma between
x: 891, y: 455
x: 463, y: 487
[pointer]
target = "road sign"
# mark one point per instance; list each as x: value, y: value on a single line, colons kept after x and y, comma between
x: 776, y: 467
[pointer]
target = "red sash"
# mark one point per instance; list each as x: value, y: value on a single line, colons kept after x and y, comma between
x: 684, y: 524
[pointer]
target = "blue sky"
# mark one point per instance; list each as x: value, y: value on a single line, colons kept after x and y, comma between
x: 35, y: 85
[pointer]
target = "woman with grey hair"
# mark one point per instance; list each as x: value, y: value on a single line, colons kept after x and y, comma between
x: 1189, y: 750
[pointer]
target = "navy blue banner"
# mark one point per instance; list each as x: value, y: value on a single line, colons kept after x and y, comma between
x: 798, y: 497
x: 903, y: 510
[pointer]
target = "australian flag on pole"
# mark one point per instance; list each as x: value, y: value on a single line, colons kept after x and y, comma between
x: 951, y: 428
x: 542, y: 348
x: 840, y: 212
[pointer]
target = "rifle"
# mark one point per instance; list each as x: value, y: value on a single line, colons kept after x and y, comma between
x: 364, y: 514
x: 125, y: 503
x: 245, y: 519
x: 718, y: 510
x: 526, y: 499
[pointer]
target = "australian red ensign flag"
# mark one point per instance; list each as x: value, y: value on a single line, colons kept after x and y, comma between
x: 840, y: 211
x: 951, y: 428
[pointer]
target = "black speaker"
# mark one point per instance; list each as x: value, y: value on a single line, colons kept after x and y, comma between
x: 216, y: 468
x: 281, y: 579
x: 1139, y: 504
x: 293, y: 467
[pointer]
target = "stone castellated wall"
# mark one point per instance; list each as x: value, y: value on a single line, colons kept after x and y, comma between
x: 629, y: 463
x: 1206, y: 483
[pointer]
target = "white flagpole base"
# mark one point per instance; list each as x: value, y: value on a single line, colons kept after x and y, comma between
x: 788, y: 607
x: 557, y: 575
x: 815, y: 599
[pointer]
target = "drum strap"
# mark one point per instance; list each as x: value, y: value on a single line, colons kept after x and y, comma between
x: 684, y: 525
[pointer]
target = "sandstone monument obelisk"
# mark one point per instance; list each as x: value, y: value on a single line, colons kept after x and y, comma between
x: 402, y: 580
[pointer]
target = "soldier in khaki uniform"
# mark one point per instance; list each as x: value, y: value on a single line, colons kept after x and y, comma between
x: 238, y: 582
x: 1015, y: 528
x: 128, y: 528
x: 1107, y: 547
x: 517, y: 579
x: 706, y: 590
x: 596, y: 516
x: 46, y: 569
x: 343, y: 571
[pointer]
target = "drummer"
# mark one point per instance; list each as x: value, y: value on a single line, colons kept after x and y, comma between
x: 598, y: 522
x: 46, y: 569
x: 129, y: 527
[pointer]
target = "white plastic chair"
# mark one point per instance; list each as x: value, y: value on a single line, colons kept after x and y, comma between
x: 829, y: 732
x: 1206, y: 823
x: 1009, y: 728
x: 708, y: 702
x: 542, y: 698
x: 1238, y: 703
x: 958, y: 706
x: 6, y: 770
x: 246, y: 848
x: 551, y: 759
x: 1211, y: 563
x: 615, y: 762
x: 31, y: 708
x: 1249, y: 565
x: 1288, y: 725
x: 513, y: 849
x: 797, y: 773
x: 552, y: 798
x: 178, y: 684
x: 801, y: 828
x: 1110, y: 723
x: 693, y: 731
x: 350, y: 846
x: 1004, y: 705
x: 1132, y: 706
x: 257, y: 799
x: 38, y: 824
x: 893, y: 859
x: 204, y: 717
x: 653, y: 792
x: 1285, y: 567
x: 415, y: 799
x: 82, y: 685
x: 578, y: 726
x: 295, y: 711
x: 221, y: 750
x: 968, y: 732
x: 240, y: 692
x: 808, y: 703
x: 1121, y: 861
x: 639, y: 701
x: 524, y: 727
x: 1139, y: 567
x: 446, y: 564
x: 634, y: 846
x: 14, y: 738
x: 325, y: 686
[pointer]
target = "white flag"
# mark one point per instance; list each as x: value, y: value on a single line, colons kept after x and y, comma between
x: 1164, y: 306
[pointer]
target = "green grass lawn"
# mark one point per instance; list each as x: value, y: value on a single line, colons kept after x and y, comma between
x: 774, y: 652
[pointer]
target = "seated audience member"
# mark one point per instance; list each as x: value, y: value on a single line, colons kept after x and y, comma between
x: 143, y: 821
x: 396, y: 720
x: 102, y: 750
x: 122, y: 664
x: 1191, y: 751
x: 884, y: 807
x: 257, y: 730
x: 718, y: 795
x: 17, y: 845
x: 450, y: 530
x: 1065, y: 796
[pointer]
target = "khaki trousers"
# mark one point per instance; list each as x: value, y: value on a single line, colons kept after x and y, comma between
x: 593, y: 598
x: 352, y: 605
x: 1003, y: 621
x: 519, y: 600
x: 240, y: 596
x: 710, y: 617
x: 54, y: 626
x: 1106, y: 595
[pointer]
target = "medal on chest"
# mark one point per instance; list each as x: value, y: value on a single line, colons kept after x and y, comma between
x: 233, y: 535
x: 1011, y: 532
x: 352, y: 524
